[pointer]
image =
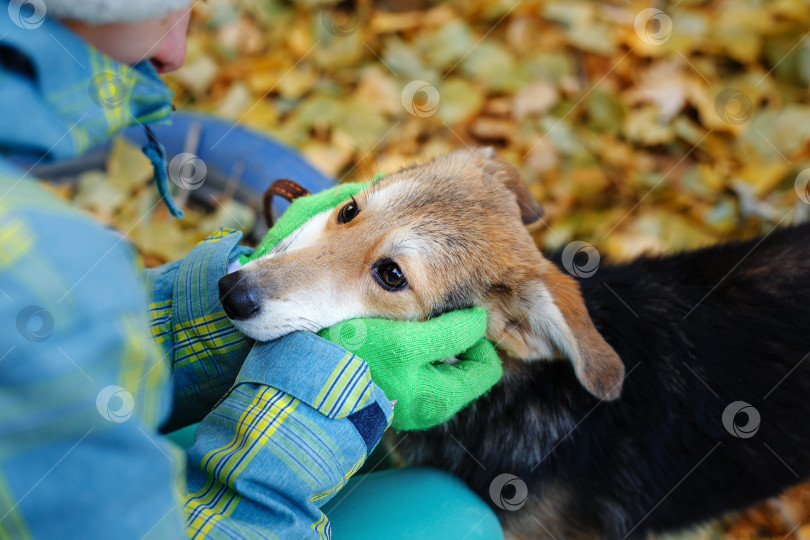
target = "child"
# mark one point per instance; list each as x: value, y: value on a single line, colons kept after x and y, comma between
x: 99, y: 353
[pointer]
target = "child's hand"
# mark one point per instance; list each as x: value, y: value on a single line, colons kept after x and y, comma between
x: 407, y: 360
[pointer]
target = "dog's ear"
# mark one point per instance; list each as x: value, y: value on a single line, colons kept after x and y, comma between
x: 545, y: 317
x: 500, y: 173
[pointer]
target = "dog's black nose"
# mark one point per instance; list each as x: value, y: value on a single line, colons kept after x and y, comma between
x: 237, y: 297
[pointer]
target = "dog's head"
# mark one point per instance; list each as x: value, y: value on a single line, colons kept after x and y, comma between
x: 428, y: 239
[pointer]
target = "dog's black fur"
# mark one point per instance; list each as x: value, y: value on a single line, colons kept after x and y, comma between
x: 696, y: 332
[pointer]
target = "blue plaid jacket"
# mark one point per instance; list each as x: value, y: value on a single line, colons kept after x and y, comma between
x: 96, y: 353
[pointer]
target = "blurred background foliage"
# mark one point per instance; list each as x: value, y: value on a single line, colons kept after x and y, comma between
x: 637, y: 132
x: 641, y: 128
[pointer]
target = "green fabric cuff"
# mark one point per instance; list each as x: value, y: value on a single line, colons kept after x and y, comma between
x: 302, y: 210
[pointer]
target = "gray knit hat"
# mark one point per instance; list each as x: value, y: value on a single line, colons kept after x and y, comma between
x: 108, y: 11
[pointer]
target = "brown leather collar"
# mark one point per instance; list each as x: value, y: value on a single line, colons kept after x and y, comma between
x: 284, y: 188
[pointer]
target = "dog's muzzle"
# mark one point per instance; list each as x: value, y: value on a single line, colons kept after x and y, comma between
x: 237, y: 297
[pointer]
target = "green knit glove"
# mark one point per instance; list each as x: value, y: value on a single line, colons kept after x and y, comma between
x: 406, y: 360
x: 300, y: 211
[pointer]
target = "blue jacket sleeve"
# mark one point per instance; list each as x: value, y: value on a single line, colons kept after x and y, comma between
x: 201, y: 345
x: 301, y: 418
x: 82, y: 384
x: 297, y: 422
x: 83, y: 388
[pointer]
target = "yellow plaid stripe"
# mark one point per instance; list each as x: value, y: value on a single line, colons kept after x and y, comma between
x: 114, y: 82
x: 143, y: 372
x: 196, y: 339
x: 321, y: 494
x: 200, y: 327
x: 16, y: 239
x: 347, y: 385
x: 160, y: 314
x: 321, y: 527
x: 161, y: 309
x: 13, y: 525
x: 205, y: 515
x: 256, y: 425
x: 219, y: 233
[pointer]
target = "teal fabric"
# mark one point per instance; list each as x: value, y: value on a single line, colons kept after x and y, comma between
x: 408, y: 503
x: 183, y: 437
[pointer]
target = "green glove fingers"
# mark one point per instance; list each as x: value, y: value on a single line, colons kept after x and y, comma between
x: 478, y: 367
x: 405, y: 359
x: 445, y: 336
x: 444, y: 389
x: 300, y: 211
x: 412, y: 343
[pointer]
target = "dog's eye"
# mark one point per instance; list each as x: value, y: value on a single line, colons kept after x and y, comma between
x: 390, y: 276
x: 348, y: 212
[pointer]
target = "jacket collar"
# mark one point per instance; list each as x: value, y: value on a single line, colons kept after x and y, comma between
x: 77, y: 97
x: 60, y: 96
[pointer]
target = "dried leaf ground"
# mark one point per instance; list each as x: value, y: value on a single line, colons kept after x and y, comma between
x: 641, y: 128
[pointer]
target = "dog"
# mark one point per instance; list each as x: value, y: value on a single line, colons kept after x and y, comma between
x: 649, y: 397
